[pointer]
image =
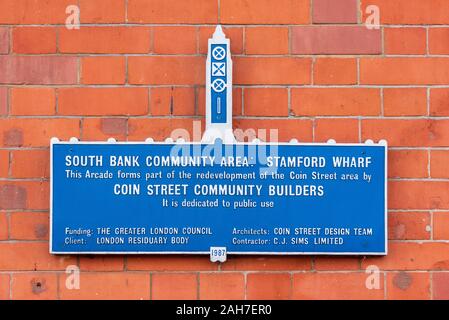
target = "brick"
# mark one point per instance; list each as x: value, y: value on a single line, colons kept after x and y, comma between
x: 269, y: 102
x: 108, y: 286
x: 335, y: 101
x: 13, y: 137
x: 33, y: 11
x: 29, y: 226
x: 268, y: 286
x: 335, y: 71
x: 335, y: 40
x: 181, y: 286
x: 161, y: 129
x: 256, y: 263
x: 4, y: 286
x: 405, y: 40
x: 336, y: 263
x: 12, y: 196
x: 4, y: 226
x: 418, y: 195
x: 3, y: 101
x: 34, y: 40
x: 267, y: 130
x: 101, y: 129
x: 341, y: 130
x: 173, y: 11
x: 34, y: 286
x: 102, y: 263
x: 105, y: 40
x: 187, y: 70
x: 103, y: 70
x: 38, y: 70
x: 24, y: 195
x: 32, y: 101
x: 410, y: 11
x: 404, y: 71
x: 170, y: 263
x: 222, y: 286
x: 4, y: 163
x: 441, y: 225
x: 334, y: 286
x: 266, y: 40
x: 179, y: 101
x: 266, y: 71
x: 408, y: 286
x: 174, y: 40
x: 335, y: 11
x: 439, y: 160
x: 408, y: 226
x: 405, y: 102
x: 262, y: 12
x: 184, y: 102
x: 237, y: 94
x: 440, y: 286
x: 102, y: 101
x: 407, y: 133
x: 102, y: 11
x: 4, y: 40
x: 235, y: 34
x: 407, y: 164
x: 21, y: 168
x: 438, y: 43
x: 31, y: 256
x: 439, y: 102
x: 162, y: 101
x: 404, y: 256
x: 36, y: 132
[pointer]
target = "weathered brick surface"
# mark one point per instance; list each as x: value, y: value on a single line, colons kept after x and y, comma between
x: 269, y: 286
x: 335, y: 71
x: 3, y: 101
x: 105, y: 40
x: 215, y: 286
x: 264, y: 11
x: 307, y: 68
x: 333, y: 286
x: 336, y: 40
x: 108, y: 286
x: 38, y: 70
x: 103, y: 70
x: 180, y: 286
x: 405, y: 41
x: 405, y: 102
x: 29, y: 226
x: 4, y: 40
x: 38, y: 286
x: 103, y: 11
x: 410, y: 12
x: 409, y: 226
x: 32, y: 101
x: 103, y: 101
x: 408, y: 286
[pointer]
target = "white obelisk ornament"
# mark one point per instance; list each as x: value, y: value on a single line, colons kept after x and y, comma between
x: 219, y: 89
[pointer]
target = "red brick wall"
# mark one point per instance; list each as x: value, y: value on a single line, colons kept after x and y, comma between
x: 310, y: 68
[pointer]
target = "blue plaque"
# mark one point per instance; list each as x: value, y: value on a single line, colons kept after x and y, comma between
x: 255, y: 198
x: 218, y: 196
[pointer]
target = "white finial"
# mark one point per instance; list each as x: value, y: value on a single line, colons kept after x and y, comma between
x: 219, y: 34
